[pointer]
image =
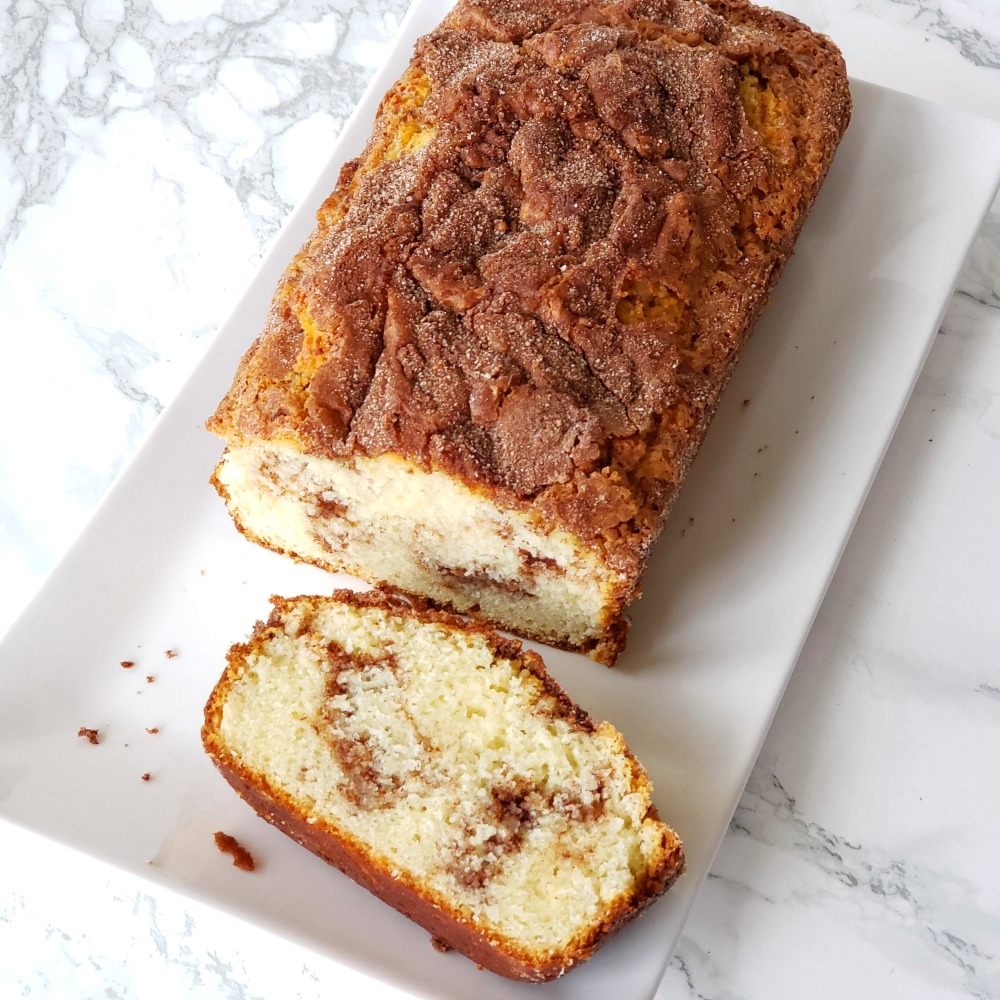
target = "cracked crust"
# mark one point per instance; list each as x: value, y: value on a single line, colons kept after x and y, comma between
x: 539, y: 274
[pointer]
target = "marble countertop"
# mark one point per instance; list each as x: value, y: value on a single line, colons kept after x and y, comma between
x: 149, y: 153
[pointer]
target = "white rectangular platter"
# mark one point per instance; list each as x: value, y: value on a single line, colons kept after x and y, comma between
x: 733, y: 588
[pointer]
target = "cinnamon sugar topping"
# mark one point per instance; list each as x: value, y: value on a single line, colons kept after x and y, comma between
x: 541, y: 270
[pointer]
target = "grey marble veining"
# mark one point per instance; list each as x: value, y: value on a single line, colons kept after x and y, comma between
x: 980, y: 277
x: 904, y: 892
x: 972, y: 28
x: 230, y: 83
x: 910, y: 907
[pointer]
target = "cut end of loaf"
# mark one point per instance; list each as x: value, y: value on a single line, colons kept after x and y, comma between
x: 436, y: 763
x: 394, y: 524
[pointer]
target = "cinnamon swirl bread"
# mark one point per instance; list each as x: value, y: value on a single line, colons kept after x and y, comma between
x: 485, y: 375
x: 438, y: 765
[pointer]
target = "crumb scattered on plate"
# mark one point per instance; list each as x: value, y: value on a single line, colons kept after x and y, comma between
x: 242, y: 858
x: 91, y: 735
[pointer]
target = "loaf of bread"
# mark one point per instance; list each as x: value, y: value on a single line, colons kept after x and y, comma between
x: 485, y: 375
x: 437, y: 764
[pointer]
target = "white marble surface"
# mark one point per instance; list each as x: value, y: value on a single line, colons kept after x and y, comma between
x: 149, y: 151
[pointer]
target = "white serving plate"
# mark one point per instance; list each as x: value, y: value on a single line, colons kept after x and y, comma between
x: 731, y: 593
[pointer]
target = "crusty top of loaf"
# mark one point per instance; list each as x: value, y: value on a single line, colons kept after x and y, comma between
x: 540, y: 271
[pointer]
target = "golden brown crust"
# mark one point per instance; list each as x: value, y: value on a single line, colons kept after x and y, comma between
x: 540, y: 273
x: 362, y: 863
